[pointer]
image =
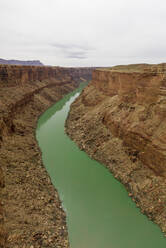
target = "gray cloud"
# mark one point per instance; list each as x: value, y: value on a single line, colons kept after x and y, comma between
x: 72, y: 46
x: 76, y: 55
x: 73, y: 51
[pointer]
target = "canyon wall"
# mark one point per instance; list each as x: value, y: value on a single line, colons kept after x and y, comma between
x: 31, y: 214
x: 12, y: 75
x: 119, y: 120
x: 19, y: 84
x: 139, y: 116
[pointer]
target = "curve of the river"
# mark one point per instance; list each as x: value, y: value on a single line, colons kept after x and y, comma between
x: 99, y: 212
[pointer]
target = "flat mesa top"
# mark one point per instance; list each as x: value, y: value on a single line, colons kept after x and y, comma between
x: 139, y: 68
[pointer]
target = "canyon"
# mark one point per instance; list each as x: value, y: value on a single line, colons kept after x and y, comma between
x: 119, y: 120
x: 31, y: 213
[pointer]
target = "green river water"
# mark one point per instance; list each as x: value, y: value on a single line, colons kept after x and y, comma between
x: 99, y: 212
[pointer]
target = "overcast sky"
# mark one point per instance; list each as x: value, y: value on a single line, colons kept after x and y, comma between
x: 83, y: 32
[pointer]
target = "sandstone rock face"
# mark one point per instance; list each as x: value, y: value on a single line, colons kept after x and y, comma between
x: 18, y: 75
x: 138, y: 116
x: 31, y: 214
x: 19, y: 84
x: 119, y: 119
x: 139, y: 112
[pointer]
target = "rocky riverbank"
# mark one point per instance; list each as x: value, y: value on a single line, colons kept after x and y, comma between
x: 31, y: 214
x: 119, y: 120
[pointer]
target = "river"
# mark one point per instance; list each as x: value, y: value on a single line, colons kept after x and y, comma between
x: 100, y: 214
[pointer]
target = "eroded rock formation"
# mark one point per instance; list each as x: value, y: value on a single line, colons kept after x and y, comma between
x: 119, y: 119
x: 17, y: 75
x: 31, y: 214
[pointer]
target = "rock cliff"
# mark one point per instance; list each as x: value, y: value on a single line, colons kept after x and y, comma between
x: 31, y: 214
x: 119, y: 119
x: 12, y: 75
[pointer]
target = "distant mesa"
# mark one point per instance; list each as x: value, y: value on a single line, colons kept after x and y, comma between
x: 20, y: 62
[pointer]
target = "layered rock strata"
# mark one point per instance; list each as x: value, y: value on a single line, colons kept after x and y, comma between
x: 12, y: 75
x: 119, y: 120
x: 31, y: 214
